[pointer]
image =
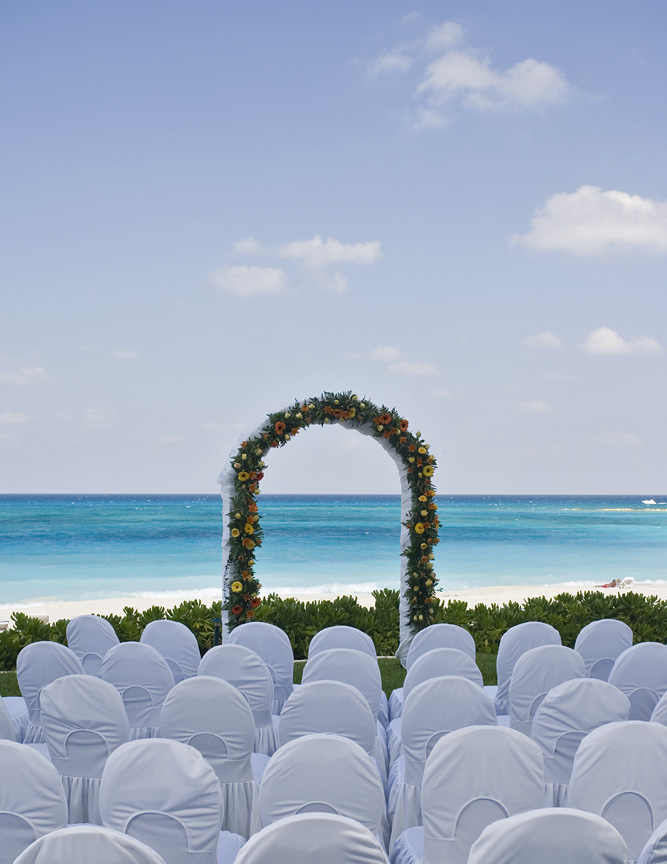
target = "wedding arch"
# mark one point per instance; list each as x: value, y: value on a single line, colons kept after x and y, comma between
x: 242, y: 529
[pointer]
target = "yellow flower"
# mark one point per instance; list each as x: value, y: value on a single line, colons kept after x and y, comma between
x: 424, y: 512
x: 422, y: 450
x: 411, y: 458
x: 235, y: 532
x: 243, y: 476
x: 428, y: 583
x: 352, y: 411
x: 236, y: 587
x: 419, y: 528
x: 248, y: 528
x: 423, y: 498
x: 428, y: 470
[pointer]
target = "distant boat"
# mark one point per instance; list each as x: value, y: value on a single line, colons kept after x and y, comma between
x: 648, y: 501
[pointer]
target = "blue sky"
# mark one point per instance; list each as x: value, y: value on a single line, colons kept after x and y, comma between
x: 457, y: 209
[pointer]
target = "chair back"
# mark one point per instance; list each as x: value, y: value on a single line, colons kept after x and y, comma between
x: 641, y: 673
x: 438, y: 662
x: 513, y: 643
x: 440, y: 636
x: 245, y: 670
x: 273, y: 646
x: 143, y: 679
x: 81, y: 844
x: 600, y: 643
x: 342, y: 636
x: 350, y: 666
x: 177, y: 644
x: 90, y: 637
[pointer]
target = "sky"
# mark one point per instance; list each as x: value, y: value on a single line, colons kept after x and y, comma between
x: 455, y: 209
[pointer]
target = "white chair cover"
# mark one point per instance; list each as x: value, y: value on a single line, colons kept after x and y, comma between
x: 619, y: 773
x: 84, y: 720
x: 569, y: 712
x: 325, y: 774
x: 534, y: 674
x: 473, y: 777
x: 600, y: 643
x: 37, y: 665
x: 432, y: 664
x: 246, y: 671
x: 356, y: 668
x: 90, y: 637
x: 213, y: 716
x: 655, y: 851
x: 513, y: 643
x: 324, y: 838
x: 165, y: 794
x: 18, y: 712
x: 641, y: 673
x: 435, y: 636
x: 6, y: 723
x: 32, y: 801
x: 177, y: 644
x: 83, y: 844
x: 434, y: 708
x: 659, y: 714
x: 273, y: 646
x: 550, y: 836
x: 143, y: 679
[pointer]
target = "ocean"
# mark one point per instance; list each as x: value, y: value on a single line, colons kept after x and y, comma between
x: 77, y: 547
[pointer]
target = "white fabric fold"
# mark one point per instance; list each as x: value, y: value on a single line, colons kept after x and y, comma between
x: 83, y: 844
x: 641, y: 673
x: 513, y: 643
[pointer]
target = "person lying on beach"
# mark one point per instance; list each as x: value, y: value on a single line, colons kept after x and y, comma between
x: 615, y: 583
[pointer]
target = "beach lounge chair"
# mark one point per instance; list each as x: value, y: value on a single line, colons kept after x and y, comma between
x: 37, y: 665
x: 177, y: 644
x: 534, y: 674
x: 473, y: 777
x: 84, y: 721
x: 166, y: 794
x: 313, y: 838
x: 568, y: 713
x: 32, y: 801
x: 600, y: 643
x: 435, y: 636
x: 550, y: 836
x: 273, y: 646
x: 619, y: 773
x: 324, y: 774
x: 641, y: 673
x: 214, y: 717
x: 246, y: 671
x: 90, y: 637
x: 143, y: 679
x: 432, y: 664
x: 83, y: 844
x: 513, y: 643
x: 434, y: 708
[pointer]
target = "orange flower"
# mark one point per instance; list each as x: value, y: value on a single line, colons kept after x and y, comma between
x: 403, y: 425
x: 250, y: 613
x: 280, y: 427
x: 253, y: 507
x: 236, y: 610
x: 411, y: 448
x: 255, y: 602
x: 385, y: 418
x: 248, y: 543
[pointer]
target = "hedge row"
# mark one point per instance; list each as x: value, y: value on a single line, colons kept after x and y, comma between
x: 647, y: 616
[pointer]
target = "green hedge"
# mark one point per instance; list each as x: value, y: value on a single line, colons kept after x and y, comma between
x: 647, y: 616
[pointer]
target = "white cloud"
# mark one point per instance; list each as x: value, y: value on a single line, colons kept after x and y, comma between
x: 318, y: 253
x: 604, y: 340
x: 97, y: 418
x: 385, y: 353
x: 393, y: 61
x: 406, y: 367
x: 23, y: 376
x: 543, y: 340
x: 590, y: 222
x: 334, y: 283
x: 619, y: 439
x: 248, y: 246
x: 10, y: 418
x: 249, y: 281
x: 536, y: 407
x: 125, y: 354
x: 443, y: 37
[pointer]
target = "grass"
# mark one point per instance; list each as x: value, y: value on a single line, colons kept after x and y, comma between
x: 391, y: 670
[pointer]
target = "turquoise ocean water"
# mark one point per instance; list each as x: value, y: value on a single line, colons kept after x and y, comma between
x: 69, y: 547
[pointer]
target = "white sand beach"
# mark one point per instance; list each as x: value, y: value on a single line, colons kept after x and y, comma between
x: 500, y: 594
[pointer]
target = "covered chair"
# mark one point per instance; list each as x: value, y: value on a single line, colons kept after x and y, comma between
x: 17, y: 711
x: 432, y: 664
x: 324, y: 774
x: 143, y: 679
x: 473, y: 777
x: 177, y: 644
x: 567, y: 714
x: 550, y: 836
x: 37, y: 665
x: 601, y: 643
x: 6, y: 723
x: 324, y: 838
x: 435, y: 708
x: 534, y: 674
x: 513, y: 643
x: 246, y: 671
x: 84, y: 721
x: 619, y: 773
x: 165, y: 794
x: 214, y: 717
x: 273, y: 646
x: 90, y: 637
x: 435, y: 636
x: 641, y: 673
x: 32, y: 801
x: 83, y: 844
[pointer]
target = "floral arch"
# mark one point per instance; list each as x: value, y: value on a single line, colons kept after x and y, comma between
x: 242, y: 529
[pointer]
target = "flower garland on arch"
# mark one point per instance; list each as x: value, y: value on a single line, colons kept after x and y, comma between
x: 245, y: 530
